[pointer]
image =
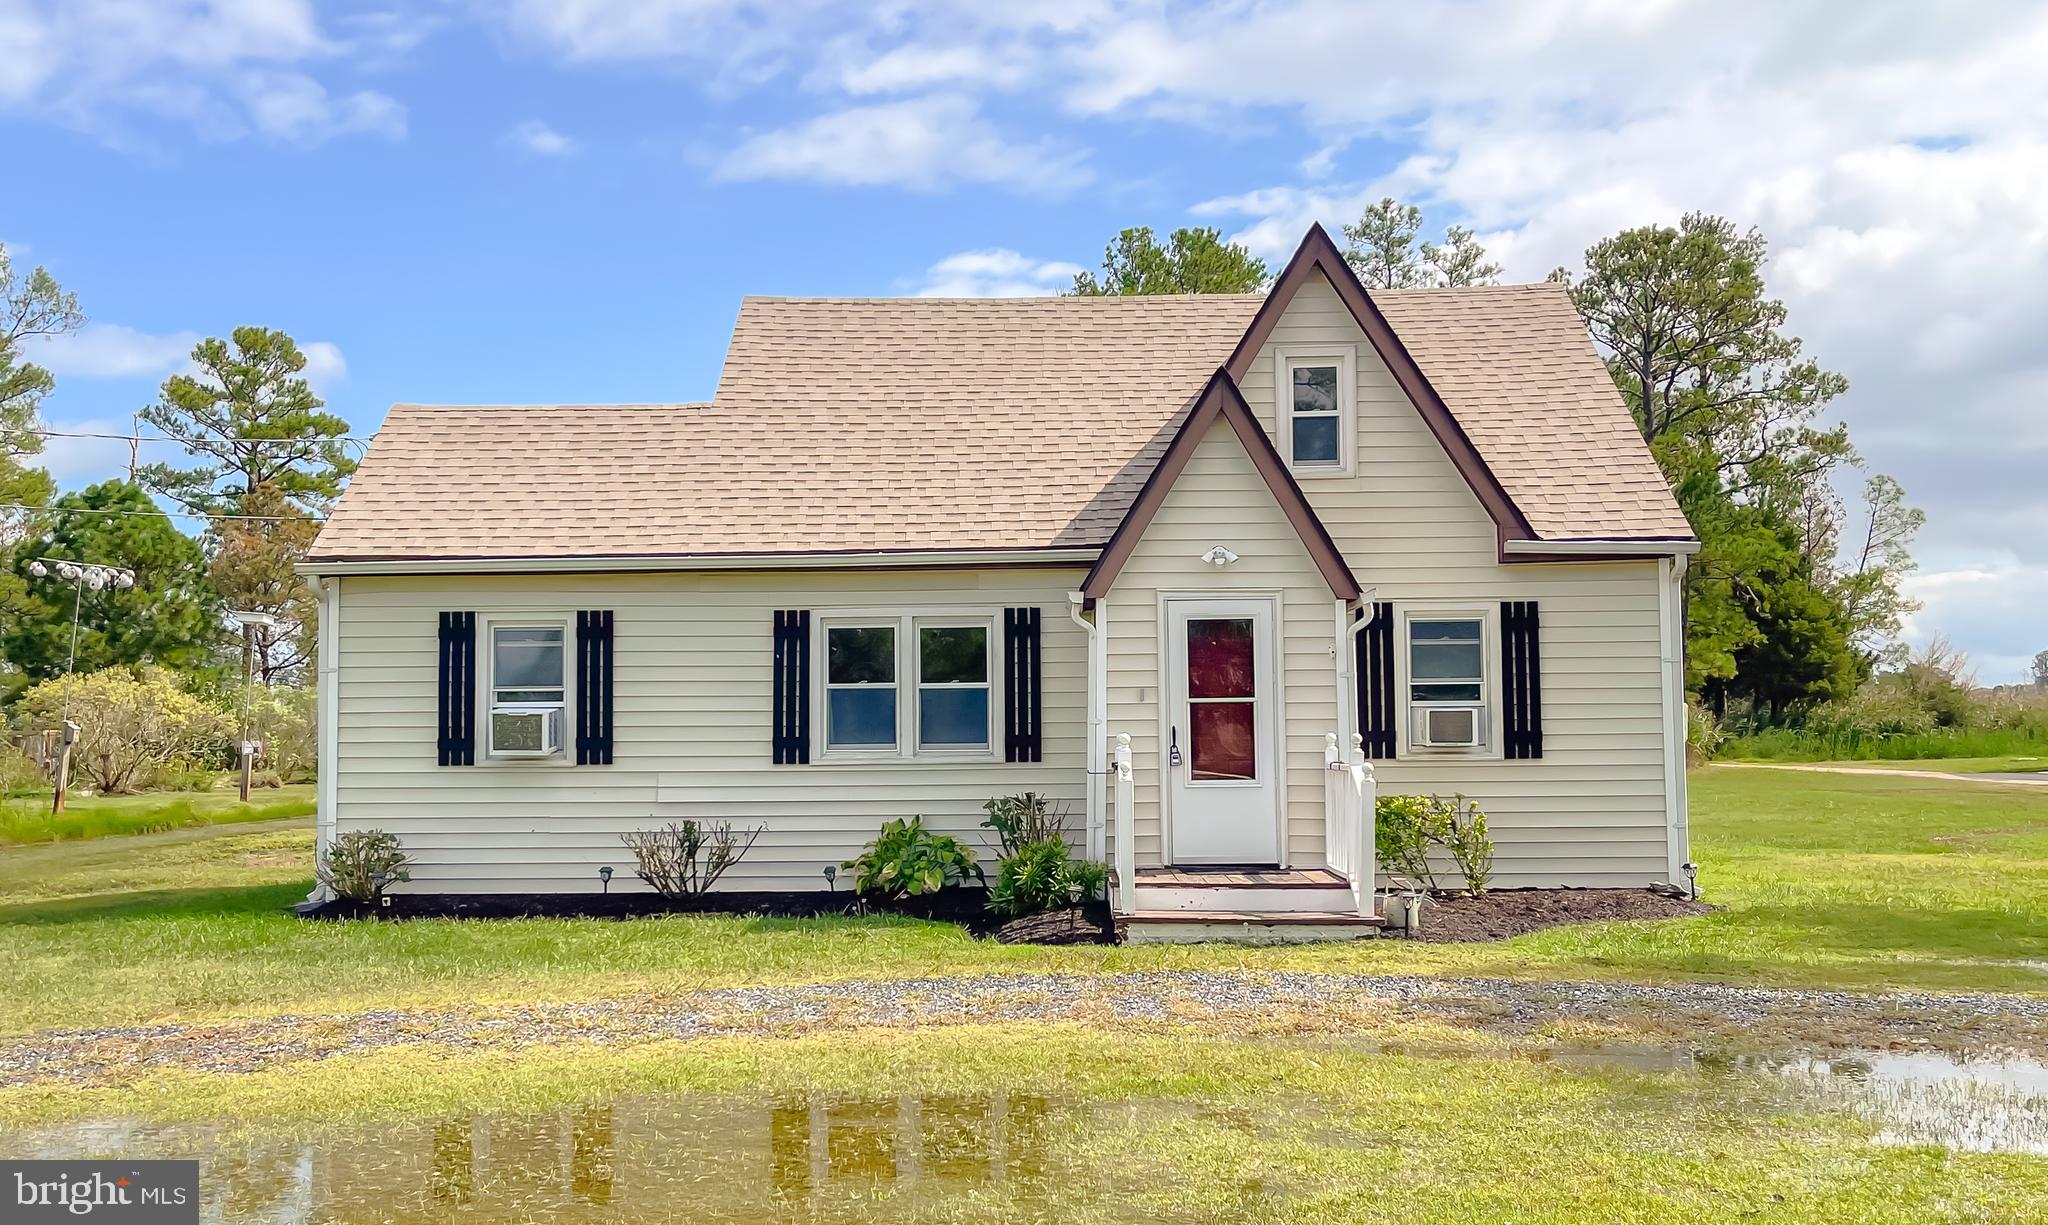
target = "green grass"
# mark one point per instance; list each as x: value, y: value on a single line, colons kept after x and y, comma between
x: 1850, y: 881
x: 28, y: 820
x: 2019, y: 764
x: 1153, y: 1125
x: 1786, y: 745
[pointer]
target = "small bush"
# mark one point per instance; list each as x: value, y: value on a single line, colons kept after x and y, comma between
x: 1025, y: 820
x: 1402, y: 834
x: 1405, y: 827
x: 683, y: 860
x: 19, y: 774
x: 1044, y: 876
x: 362, y: 862
x: 1462, y: 834
x: 1703, y: 734
x: 906, y: 860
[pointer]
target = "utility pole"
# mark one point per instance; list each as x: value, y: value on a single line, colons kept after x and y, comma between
x: 256, y: 627
x: 80, y: 575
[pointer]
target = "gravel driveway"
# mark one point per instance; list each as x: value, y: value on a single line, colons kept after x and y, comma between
x: 1816, y: 1019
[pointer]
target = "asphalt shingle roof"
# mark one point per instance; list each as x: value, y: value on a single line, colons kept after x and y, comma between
x: 849, y: 425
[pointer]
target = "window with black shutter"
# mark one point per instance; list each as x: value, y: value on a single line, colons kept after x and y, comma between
x: 791, y: 738
x: 594, y: 688
x: 1377, y: 713
x: 456, y: 739
x: 1521, y: 686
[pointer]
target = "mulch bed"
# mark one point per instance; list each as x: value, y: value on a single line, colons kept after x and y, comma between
x: 963, y: 905
x: 1511, y: 912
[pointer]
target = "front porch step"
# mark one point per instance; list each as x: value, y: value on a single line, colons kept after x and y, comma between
x: 1242, y: 890
x: 1247, y: 926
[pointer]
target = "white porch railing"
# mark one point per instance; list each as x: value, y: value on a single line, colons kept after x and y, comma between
x: 1351, y: 796
x: 1126, y: 818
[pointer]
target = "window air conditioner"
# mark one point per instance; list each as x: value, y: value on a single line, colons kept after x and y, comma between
x: 1449, y: 727
x: 534, y: 730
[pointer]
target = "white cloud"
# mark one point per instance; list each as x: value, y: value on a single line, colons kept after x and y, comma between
x: 540, y: 140
x: 224, y: 68
x: 1991, y: 608
x: 110, y: 351
x: 924, y: 144
x: 325, y: 366
x: 294, y: 107
x: 995, y: 272
x: 74, y: 462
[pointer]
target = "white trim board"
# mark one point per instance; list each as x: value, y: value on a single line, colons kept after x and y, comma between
x: 875, y: 560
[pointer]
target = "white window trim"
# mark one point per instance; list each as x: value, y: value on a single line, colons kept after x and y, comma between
x: 906, y: 622
x: 1345, y: 357
x: 487, y: 681
x: 1488, y: 615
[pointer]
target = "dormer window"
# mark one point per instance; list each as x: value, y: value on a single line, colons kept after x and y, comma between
x: 1318, y: 417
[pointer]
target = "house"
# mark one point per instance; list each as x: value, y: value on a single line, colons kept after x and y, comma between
x: 914, y: 554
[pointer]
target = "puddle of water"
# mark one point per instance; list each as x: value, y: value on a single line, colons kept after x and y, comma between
x: 827, y: 1158
x: 1974, y: 1104
x: 655, y: 1159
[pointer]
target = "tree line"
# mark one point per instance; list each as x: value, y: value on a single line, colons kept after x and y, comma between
x: 1795, y: 598
x: 258, y: 460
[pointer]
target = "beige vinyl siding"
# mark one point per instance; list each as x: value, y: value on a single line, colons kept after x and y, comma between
x: 1221, y: 499
x: 692, y: 669
x: 1592, y: 810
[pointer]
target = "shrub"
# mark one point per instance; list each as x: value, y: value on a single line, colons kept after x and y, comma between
x: 282, y: 720
x: 130, y: 724
x: 1044, y: 876
x: 361, y: 862
x: 1402, y: 833
x: 19, y: 774
x: 1405, y: 827
x: 1025, y: 820
x: 687, y: 859
x: 906, y: 859
x: 1462, y: 834
x: 1703, y: 734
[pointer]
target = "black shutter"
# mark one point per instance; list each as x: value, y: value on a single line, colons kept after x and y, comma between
x: 1521, y: 687
x: 1375, y: 670
x: 594, y: 688
x: 456, y: 742
x: 1023, y: 713
x: 792, y: 737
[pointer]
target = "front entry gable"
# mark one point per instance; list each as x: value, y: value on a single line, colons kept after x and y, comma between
x: 1221, y: 401
x: 1319, y: 254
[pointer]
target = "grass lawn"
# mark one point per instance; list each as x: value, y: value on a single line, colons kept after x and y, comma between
x: 2023, y: 763
x: 1838, y: 880
x: 27, y: 820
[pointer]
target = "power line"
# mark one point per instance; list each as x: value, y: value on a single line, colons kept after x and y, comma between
x: 48, y: 433
x: 183, y: 514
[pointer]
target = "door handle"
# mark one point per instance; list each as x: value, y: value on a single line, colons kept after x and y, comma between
x: 1173, y: 747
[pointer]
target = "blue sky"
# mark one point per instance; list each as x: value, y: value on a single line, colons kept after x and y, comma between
x: 539, y: 201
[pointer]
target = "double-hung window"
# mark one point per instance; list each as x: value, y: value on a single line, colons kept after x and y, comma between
x: 528, y: 688
x: 910, y: 685
x: 1316, y: 395
x: 1449, y: 691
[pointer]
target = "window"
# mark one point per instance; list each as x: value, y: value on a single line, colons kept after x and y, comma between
x: 1315, y: 397
x: 952, y: 687
x: 1449, y: 698
x: 860, y: 687
x: 529, y: 693
x: 909, y: 685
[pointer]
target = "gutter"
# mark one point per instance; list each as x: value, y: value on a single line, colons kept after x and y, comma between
x: 1601, y: 548
x: 1098, y: 724
x: 871, y: 559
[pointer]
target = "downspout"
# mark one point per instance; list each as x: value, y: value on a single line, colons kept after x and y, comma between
x: 1098, y: 728
x: 327, y: 720
x: 1671, y: 625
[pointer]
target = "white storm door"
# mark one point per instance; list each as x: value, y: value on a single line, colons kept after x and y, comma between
x: 1222, y: 765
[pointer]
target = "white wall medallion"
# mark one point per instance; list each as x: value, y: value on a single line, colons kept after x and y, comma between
x: 1219, y: 556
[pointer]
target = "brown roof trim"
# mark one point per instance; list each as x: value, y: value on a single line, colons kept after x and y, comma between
x: 1221, y: 398
x: 1318, y: 251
